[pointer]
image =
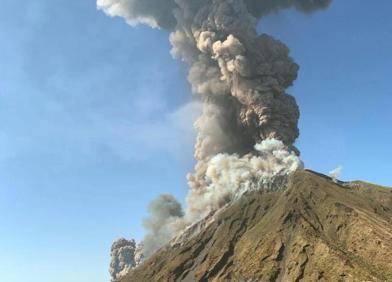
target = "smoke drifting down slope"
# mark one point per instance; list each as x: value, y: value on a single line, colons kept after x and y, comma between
x: 241, y: 78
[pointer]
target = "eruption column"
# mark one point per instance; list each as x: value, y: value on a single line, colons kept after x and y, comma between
x: 241, y: 78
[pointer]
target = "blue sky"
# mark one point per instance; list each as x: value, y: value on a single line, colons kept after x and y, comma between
x: 95, y: 121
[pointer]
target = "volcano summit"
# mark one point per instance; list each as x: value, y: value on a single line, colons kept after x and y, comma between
x: 315, y: 230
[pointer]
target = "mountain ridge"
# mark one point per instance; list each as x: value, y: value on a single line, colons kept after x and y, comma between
x: 317, y: 229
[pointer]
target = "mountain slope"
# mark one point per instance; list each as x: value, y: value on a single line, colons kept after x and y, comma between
x: 316, y: 230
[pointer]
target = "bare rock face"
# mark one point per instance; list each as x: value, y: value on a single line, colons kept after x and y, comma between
x: 316, y: 230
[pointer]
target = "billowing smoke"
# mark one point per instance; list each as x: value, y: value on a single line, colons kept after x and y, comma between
x: 229, y: 176
x: 241, y: 78
x: 123, y: 257
x: 165, y: 219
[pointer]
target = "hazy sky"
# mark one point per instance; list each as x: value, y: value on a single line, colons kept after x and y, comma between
x: 96, y: 120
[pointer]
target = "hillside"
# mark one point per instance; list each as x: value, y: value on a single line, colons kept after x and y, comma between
x: 316, y: 230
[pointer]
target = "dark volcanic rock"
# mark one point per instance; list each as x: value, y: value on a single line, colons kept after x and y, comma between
x: 316, y: 230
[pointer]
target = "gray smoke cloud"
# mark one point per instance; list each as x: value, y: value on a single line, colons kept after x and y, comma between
x: 125, y: 255
x: 263, y: 7
x: 241, y: 79
x: 165, y: 219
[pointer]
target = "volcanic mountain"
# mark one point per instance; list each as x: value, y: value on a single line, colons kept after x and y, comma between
x: 316, y: 229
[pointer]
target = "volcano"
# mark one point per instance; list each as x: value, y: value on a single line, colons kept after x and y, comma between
x: 316, y: 229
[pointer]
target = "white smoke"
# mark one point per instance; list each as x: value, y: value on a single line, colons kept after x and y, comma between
x: 336, y: 173
x: 230, y: 176
x: 155, y: 13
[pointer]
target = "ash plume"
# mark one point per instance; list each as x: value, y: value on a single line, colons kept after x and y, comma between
x: 122, y: 257
x: 249, y: 123
x: 264, y: 7
x: 165, y: 219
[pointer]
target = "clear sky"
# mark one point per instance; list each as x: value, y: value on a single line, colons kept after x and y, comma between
x: 95, y: 121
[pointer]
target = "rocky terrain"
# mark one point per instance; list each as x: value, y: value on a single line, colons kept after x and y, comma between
x: 315, y: 230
